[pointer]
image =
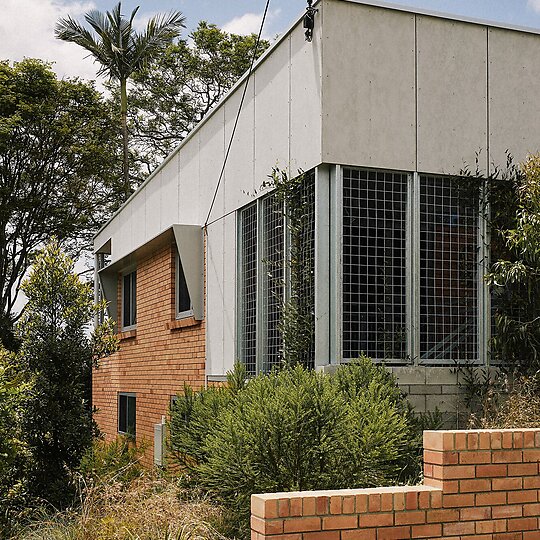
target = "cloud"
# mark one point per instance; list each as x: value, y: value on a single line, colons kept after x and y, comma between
x: 27, y: 30
x: 534, y: 4
x: 250, y: 23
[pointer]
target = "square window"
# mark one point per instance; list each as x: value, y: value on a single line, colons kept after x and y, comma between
x: 129, y: 300
x: 127, y: 414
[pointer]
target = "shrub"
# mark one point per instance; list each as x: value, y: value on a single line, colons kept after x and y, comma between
x: 296, y: 429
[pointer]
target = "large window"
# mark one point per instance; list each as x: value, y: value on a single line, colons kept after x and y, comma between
x: 374, y: 264
x: 129, y: 300
x: 411, y: 278
x: 448, y: 271
x: 263, y: 285
x: 127, y: 414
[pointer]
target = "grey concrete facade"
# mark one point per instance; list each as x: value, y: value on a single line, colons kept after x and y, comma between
x: 379, y: 87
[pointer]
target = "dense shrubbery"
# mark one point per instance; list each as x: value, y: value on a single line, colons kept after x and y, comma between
x: 44, y: 401
x: 295, y: 429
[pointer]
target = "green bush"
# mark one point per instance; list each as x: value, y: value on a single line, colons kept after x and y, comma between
x: 295, y: 429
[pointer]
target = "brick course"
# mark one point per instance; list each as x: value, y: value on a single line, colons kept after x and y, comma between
x: 155, y: 359
x: 480, y: 485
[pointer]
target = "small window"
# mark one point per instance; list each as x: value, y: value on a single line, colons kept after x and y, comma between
x: 127, y: 414
x: 129, y: 300
x: 183, y: 301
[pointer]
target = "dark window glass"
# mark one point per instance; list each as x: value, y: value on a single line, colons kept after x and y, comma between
x: 129, y: 299
x: 127, y: 414
x: 183, y: 301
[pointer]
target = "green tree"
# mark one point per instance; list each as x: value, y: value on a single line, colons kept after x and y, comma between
x: 121, y: 51
x: 58, y: 165
x: 178, y: 88
x: 515, y: 276
x: 13, y: 455
x: 56, y: 355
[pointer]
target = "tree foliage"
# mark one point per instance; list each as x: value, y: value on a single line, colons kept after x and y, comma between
x: 58, y: 168
x: 515, y: 275
x: 178, y: 88
x: 56, y: 356
x: 121, y: 52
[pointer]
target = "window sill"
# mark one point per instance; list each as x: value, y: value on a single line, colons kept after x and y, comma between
x: 127, y: 334
x: 178, y: 324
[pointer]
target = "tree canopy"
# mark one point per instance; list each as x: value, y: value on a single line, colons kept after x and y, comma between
x: 179, y: 87
x: 59, y: 167
x: 121, y: 52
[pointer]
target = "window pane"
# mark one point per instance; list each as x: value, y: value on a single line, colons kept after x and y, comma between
x: 307, y: 265
x: 122, y: 414
x: 133, y: 319
x: 126, y: 300
x: 273, y: 280
x: 374, y: 259
x: 248, y: 288
x: 448, y: 270
x: 183, y: 301
x: 131, y: 415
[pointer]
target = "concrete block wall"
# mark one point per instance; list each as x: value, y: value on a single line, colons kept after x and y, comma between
x: 480, y: 485
x: 155, y: 359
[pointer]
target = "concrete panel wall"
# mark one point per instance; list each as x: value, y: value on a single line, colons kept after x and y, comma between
x: 215, y: 298
x: 368, y: 86
x: 514, y: 87
x: 452, y: 94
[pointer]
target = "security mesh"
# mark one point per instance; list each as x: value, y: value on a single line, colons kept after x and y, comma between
x: 307, y: 263
x: 374, y: 254
x: 273, y: 247
x: 448, y: 271
x: 248, y: 288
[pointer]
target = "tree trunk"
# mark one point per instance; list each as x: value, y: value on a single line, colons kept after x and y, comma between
x: 125, y: 165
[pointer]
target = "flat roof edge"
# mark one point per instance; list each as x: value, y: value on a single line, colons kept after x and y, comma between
x: 442, y: 15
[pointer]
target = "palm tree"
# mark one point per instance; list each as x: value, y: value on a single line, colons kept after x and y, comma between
x: 121, y: 51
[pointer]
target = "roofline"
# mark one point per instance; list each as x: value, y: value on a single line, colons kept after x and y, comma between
x: 443, y: 15
x: 209, y: 115
x: 262, y: 58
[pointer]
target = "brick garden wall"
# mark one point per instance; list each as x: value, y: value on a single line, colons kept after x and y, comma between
x: 154, y: 360
x: 480, y: 485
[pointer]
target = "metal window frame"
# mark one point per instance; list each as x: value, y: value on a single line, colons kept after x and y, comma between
x: 180, y: 314
x: 240, y: 284
x: 126, y: 395
x: 133, y: 301
x: 412, y: 264
x: 338, y: 203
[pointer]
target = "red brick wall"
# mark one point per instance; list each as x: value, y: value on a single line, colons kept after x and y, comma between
x: 480, y: 485
x: 154, y: 360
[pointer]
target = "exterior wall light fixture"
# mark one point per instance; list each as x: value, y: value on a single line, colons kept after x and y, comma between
x: 309, y: 20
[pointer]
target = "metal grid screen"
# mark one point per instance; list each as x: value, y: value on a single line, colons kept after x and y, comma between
x: 273, y: 282
x: 374, y: 264
x: 307, y: 264
x: 248, y: 288
x: 448, y: 271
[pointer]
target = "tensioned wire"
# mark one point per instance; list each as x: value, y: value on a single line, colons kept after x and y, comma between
x: 238, y: 114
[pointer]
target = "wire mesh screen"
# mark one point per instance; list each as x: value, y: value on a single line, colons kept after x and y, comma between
x: 248, y: 288
x: 273, y: 248
x: 374, y: 264
x: 448, y: 271
x: 307, y: 266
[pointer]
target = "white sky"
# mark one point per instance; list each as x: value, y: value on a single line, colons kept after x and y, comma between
x: 27, y: 26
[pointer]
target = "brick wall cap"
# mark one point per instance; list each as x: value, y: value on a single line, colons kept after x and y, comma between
x: 344, y: 492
